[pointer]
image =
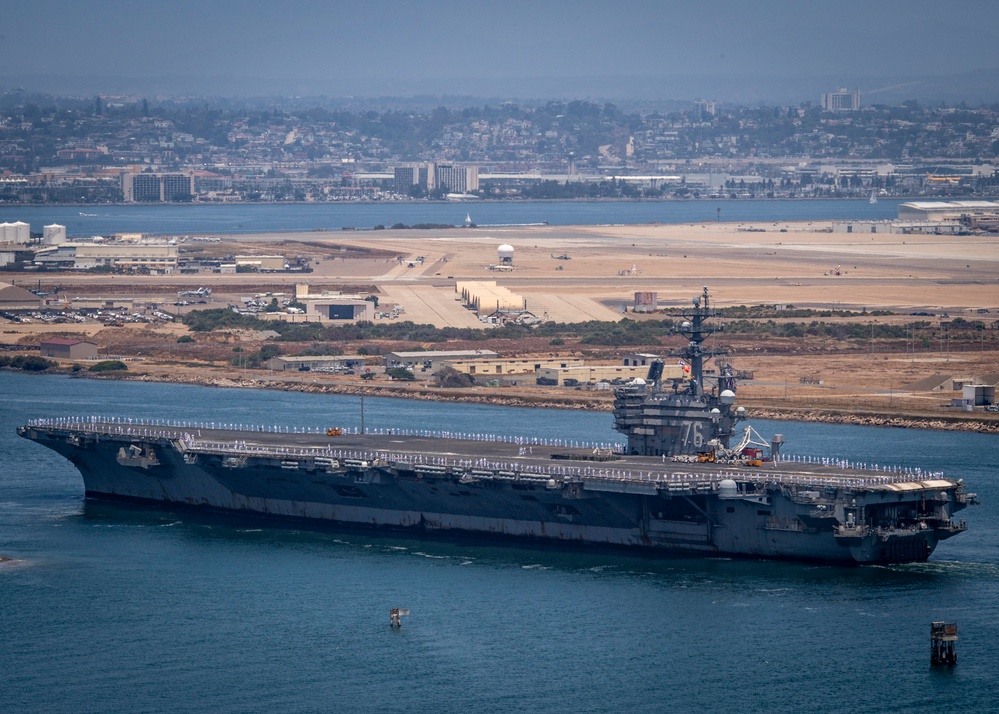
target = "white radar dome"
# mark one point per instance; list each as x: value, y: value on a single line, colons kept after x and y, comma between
x: 727, y: 397
x: 505, y: 251
x: 638, y: 381
x: 727, y: 488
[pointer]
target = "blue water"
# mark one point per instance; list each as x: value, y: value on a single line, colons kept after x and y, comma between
x: 144, y: 610
x: 254, y: 218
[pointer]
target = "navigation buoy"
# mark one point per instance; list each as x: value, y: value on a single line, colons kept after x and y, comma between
x: 395, y: 616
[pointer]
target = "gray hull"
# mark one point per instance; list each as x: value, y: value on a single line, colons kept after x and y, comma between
x: 493, y: 489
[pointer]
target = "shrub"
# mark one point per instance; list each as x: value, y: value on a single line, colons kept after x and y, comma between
x: 28, y: 363
x: 254, y: 360
x: 400, y: 373
x: 220, y: 318
x: 185, y: 339
x: 448, y: 377
x: 109, y: 365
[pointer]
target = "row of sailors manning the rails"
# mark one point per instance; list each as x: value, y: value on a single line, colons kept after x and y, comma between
x: 125, y: 426
x: 375, y: 459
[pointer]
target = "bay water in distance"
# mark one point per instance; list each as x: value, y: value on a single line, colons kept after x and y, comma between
x: 119, y: 608
x: 187, y: 219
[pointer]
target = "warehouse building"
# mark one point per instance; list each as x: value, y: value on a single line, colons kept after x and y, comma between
x: 592, y: 374
x: 432, y: 361
x: 261, y: 263
x: 486, y: 297
x: 501, y: 366
x: 946, y: 211
x: 315, y: 363
x: 65, y: 348
x: 156, y: 259
x: 15, y: 298
x: 345, y: 309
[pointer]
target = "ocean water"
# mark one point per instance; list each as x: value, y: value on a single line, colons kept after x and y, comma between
x: 115, y: 608
x: 89, y: 221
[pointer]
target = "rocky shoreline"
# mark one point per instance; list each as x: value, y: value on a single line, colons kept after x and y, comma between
x: 898, y: 421
x: 589, y: 403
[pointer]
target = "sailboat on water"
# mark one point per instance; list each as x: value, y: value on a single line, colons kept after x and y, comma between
x: 874, y: 197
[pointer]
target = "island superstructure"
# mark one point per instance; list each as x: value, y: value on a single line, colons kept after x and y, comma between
x: 679, y: 485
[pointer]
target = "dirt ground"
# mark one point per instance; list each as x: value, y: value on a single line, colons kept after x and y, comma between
x: 573, y: 274
x: 793, y: 263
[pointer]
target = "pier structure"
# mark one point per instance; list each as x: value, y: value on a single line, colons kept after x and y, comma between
x: 943, y: 643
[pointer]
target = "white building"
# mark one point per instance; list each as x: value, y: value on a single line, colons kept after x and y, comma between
x: 409, y: 175
x: 945, y: 211
x: 430, y: 177
x: 157, y: 259
x: 705, y: 108
x: 157, y: 188
x: 841, y: 100
x: 457, y: 179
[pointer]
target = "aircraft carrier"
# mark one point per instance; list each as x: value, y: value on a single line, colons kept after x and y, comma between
x: 679, y: 485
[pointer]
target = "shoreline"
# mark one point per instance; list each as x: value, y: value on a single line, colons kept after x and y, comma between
x: 488, y: 200
x: 829, y: 415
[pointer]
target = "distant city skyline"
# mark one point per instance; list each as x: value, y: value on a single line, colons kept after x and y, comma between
x: 767, y: 50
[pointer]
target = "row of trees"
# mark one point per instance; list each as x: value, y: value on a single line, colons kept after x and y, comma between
x: 623, y: 333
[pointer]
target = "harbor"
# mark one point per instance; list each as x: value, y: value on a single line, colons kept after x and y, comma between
x: 224, y: 586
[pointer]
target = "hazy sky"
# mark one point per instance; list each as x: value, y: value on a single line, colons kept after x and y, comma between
x: 347, y: 47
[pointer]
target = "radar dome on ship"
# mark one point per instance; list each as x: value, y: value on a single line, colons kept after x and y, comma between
x: 727, y: 488
x: 727, y: 397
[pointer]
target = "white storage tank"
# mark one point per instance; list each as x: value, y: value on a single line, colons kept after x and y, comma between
x: 53, y: 234
x: 22, y: 232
